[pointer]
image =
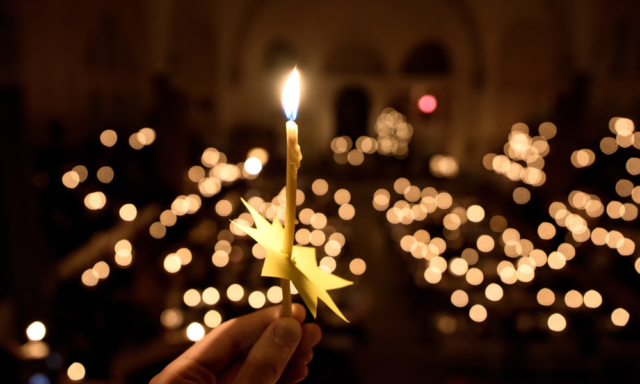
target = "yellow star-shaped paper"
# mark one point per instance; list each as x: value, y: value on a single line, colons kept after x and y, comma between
x: 302, y: 268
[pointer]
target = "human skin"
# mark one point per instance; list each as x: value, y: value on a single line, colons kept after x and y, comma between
x: 259, y: 348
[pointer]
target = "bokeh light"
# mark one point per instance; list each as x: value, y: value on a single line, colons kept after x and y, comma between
x: 521, y: 195
x: 36, y: 331
x: 475, y: 213
x: 172, y: 263
x: 546, y: 297
x: 195, y: 331
x: 557, y: 322
x: 76, y: 372
x: 274, y: 294
x: 128, y: 212
x: 171, y: 318
x: 210, y: 296
x: 157, y: 230
x: 212, y: 318
x: 478, y: 313
x: 573, y: 299
x: 105, y: 175
x: 102, y: 269
x: 320, y: 187
x: 459, y: 298
x: 485, y: 243
x: 191, y: 297
x: 427, y: 103
x: 224, y: 208
x: 494, y: 292
x: 357, y: 266
x: 90, y: 278
x: 620, y: 317
x: 253, y: 165
x: 108, y: 138
x: 235, y: 292
x: 592, y: 299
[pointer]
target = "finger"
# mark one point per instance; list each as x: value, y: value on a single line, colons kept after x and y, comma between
x: 301, y: 357
x: 235, y: 337
x: 311, y: 335
x: 271, y: 353
x: 294, y: 374
x: 189, y: 372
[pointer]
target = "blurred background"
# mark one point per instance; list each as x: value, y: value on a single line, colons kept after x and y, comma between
x: 453, y: 151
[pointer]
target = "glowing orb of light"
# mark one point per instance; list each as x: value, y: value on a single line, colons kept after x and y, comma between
x: 427, y: 104
x: 195, y: 331
x: 76, y: 372
x: 36, y: 331
x: 253, y: 165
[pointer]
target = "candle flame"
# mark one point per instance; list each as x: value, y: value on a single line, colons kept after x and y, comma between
x: 291, y: 95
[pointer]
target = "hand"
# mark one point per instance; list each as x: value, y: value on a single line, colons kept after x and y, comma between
x: 259, y: 348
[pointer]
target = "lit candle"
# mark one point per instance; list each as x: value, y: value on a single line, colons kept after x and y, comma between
x: 290, y: 100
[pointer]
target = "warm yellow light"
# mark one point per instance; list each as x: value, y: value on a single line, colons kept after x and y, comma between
x: 494, y: 292
x: 90, y: 278
x: 76, y: 372
x: 235, y: 292
x: 82, y: 172
x: 105, y: 175
x: 36, y: 331
x: 210, y: 296
x: 458, y: 266
x: 253, y: 165
x: 459, y: 298
x: 346, y: 212
x: 557, y: 322
x: 257, y: 299
x: 474, y: 276
x: 475, y: 213
x: 220, y: 259
x: 108, y: 138
x: 620, y: 317
x: 573, y: 299
x: 485, y: 243
x: 546, y: 297
x: 191, y: 297
x: 172, y: 263
x: 320, y: 187
x: 274, y: 294
x: 71, y: 179
x: 592, y: 299
x: 102, y: 269
x: 259, y: 153
x: 128, y: 212
x: 157, y: 230
x: 478, y: 313
x: 195, y: 331
x: 357, y: 266
x: 34, y: 350
x: 329, y: 264
x: 212, y: 318
x: 171, y: 318
x: 291, y: 95
x: 123, y: 247
x: 185, y: 256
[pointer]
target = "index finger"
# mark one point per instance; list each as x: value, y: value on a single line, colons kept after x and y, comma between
x: 235, y: 337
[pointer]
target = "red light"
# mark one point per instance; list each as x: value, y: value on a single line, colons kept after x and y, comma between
x: 427, y: 104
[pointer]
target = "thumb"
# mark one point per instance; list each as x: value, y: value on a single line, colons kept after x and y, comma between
x: 271, y: 353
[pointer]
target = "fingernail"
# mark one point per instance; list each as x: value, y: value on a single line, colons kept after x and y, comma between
x: 287, y: 332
